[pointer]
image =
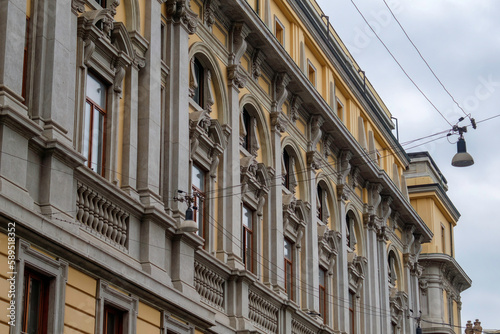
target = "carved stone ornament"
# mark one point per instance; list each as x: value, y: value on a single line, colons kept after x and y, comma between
x: 327, y: 145
x: 180, y: 12
x: 374, y: 197
x: 257, y: 59
x: 295, y: 104
x: 344, y: 166
x: 281, y: 81
x: 238, y: 45
x: 316, y: 123
x: 236, y: 76
x: 78, y: 6
x: 313, y: 160
x: 278, y: 121
x: 343, y: 192
x: 210, y: 7
x: 385, y: 209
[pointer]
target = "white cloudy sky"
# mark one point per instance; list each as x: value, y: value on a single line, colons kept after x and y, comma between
x: 461, y: 41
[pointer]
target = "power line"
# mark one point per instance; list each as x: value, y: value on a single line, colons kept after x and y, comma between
x: 425, y: 61
x: 399, y: 64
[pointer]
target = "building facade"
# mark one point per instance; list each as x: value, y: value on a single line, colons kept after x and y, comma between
x: 123, y: 123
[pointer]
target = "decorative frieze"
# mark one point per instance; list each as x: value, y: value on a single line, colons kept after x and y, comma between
x: 299, y: 327
x: 179, y: 11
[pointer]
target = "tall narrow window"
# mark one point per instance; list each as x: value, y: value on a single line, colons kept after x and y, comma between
x: 247, y: 123
x: 286, y: 162
x: 198, y: 181
x: 247, y: 217
x: 279, y: 31
x: 113, y: 320
x: 289, y: 286
x: 322, y: 293
x: 319, y: 205
x: 311, y: 73
x: 102, y: 3
x: 443, y: 239
x: 199, y: 77
x: 352, y: 313
x: 94, y: 124
x: 36, y: 303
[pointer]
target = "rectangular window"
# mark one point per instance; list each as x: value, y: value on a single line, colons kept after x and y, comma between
x: 289, y: 286
x: 443, y: 239
x: 36, y: 303
x: 198, y: 181
x: 311, y: 73
x: 163, y: 42
x: 279, y: 31
x: 94, y: 124
x: 247, y: 219
x: 352, y: 313
x: 113, y: 320
x: 340, y: 111
x: 322, y: 293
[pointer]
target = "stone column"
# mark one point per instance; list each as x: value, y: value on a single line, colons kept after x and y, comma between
x: 12, y: 37
x: 372, y: 278
x: 341, y: 303
x: 382, y: 239
x: 231, y: 240
x: 149, y: 113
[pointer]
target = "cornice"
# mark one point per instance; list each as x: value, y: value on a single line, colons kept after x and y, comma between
x: 438, y: 192
x: 461, y: 281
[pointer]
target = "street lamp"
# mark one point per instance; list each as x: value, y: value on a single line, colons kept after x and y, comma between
x: 462, y: 158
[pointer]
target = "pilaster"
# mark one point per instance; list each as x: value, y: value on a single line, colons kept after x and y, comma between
x: 149, y: 113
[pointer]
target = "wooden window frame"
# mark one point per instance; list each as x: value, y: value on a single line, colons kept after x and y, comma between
x: 118, y: 321
x: 43, y: 304
x: 100, y: 167
x: 311, y: 70
x: 248, y: 239
x: 352, y: 312
x: 199, y: 199
x: 279, y: 31
x: 288, y: 264
x: 322, y: 294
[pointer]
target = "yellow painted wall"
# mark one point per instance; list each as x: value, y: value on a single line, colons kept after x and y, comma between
x: 148, y: 320
x: 79, y: 313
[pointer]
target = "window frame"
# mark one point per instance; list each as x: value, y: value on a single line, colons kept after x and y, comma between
x: 109, y: 309
x: 311, y: 70
x: 279, y: 34
x: 43, y: 304
x: 322, y: 288
x: 248, y: 246
x: 56, y: 274
x: 101, y: 167
x: 108, y: 296
x: 199, y: 199
x: 289, y: 269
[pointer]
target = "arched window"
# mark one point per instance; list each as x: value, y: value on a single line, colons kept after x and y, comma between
x: 322, y: 209
x: 198, y: 74
x: 392, y: 269
x: 289, y: 180
x: 350, y: 231
x: 247, y: 126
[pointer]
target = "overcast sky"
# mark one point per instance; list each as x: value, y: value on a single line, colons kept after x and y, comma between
x: 461, y: 42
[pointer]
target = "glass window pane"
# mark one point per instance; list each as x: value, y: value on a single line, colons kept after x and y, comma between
x: 97, y: 142
x: 288, y: 250
x: 198, y: 178
x: 247, y: 217
x: 33, y: 305
x: 86, y: 131
x: 96, y: 91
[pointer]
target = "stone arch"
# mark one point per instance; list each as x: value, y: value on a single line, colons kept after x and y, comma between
x: 289, y: 144
x: 255, y: 109
x: 209, y: 60
x: 392, y: 252
x: 323, y: 180
x: 352, y: 213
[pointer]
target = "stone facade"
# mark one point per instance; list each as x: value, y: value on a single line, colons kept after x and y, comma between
x: 117, y: 117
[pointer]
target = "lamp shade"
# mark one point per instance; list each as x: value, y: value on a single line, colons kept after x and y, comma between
x: 189, y: 225
x: 462, y: 158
